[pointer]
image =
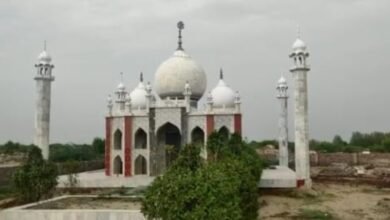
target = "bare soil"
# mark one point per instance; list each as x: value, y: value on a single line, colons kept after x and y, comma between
x: 328, y: 201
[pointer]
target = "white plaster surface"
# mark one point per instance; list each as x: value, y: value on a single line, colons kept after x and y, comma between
x: 71, y: 214
x: 42, y: 114
x: 22, y: 213
x: 283, y: 132
x: 281, y: 177
x: 302, y: 163
x: 98, y: 179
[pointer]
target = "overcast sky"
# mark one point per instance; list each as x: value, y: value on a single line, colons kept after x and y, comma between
x: 91, y: 41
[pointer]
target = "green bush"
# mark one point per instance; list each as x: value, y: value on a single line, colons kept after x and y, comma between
x: 223, y: 187
x: 36, y: 179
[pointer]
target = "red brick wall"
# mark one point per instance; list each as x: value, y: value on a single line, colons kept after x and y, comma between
x: 209, y: 124
x: 107, y: 155
x: 128, y: 139
x: 237, y: 124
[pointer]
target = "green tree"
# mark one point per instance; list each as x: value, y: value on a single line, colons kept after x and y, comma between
x: 36, y: 179
x: 98, y: 145
x: 357, y: 139
x: 386, y: 144
x: 223, y: 188
x: 205, y: 193
x: 338, y: 141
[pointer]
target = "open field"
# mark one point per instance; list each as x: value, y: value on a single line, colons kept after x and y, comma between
x: 328, y: 201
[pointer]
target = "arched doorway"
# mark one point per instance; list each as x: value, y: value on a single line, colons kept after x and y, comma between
x: 169, y: 138
x: 140, y: 165
x: 197, y: 136
x: 118, y: 165
x: 140, y: 139
x: 224, y: 132
x: 118, y: 140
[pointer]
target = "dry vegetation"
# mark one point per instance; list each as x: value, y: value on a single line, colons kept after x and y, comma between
x: 328, y: 201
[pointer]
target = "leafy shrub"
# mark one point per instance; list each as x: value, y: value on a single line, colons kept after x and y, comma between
x: 223, y: 187
x: 36, y: 179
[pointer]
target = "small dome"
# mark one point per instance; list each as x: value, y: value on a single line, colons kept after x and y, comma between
x: 44, y: 57
x: 222, y: 95
x: 138, y: 96
x: 172, y: 75
x: 282, y: 81
x: 121, y: 86
x: 299, y: 45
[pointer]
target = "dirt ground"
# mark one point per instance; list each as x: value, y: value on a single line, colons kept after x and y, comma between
x: 328, y: 201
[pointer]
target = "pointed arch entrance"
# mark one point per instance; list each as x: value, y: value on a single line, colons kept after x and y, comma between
x: 169, y: 139
x: 118, y: 140
x: 224, y: 132
x: 140, y: 166
x: 118, y: 165
x: 140, y: 139
x: 197, y: 136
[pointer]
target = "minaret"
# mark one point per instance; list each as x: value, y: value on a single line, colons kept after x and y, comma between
x: 283, y: 122
x: 43, y: 80
x: 299, y: 72
x: 121, y: 95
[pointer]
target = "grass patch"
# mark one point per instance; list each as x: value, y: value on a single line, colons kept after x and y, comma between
x: 313, y: 214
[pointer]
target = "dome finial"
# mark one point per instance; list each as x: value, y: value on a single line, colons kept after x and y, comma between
x: 180, y: 26
x: 44, y: 45
x: 298, y: 31
x: 221, y: 73
x: 141, y: 77
x: 121, y: 73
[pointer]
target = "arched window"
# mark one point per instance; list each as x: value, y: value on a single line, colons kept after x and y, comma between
x: 224, y: 132
x: 197, y: 136
x: 118, y: 165
x: 140, y: 166
x: 118, y: 140
x: 169, y: 138
x: 140, y: 139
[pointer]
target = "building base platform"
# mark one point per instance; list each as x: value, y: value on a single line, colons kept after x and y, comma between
x: 278, y: 177
x: 98, y: 179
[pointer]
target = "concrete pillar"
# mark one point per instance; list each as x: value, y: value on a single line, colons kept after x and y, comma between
x: 43, y: 80
x: 42, y: 115
x: 302, y: 163
x: 301, y: 123
x: 283, y: 122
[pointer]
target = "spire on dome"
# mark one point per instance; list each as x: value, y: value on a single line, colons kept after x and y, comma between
x: 141, y: 77
x: 282, y: 80
x: 44, y: 57
x: 221, y: 73
x: 180, y: 26
x: 121, y: 86
x: 299, y: 45
x: 298, y: 31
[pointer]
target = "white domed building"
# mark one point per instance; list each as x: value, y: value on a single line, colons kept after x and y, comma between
x: 144, y: 126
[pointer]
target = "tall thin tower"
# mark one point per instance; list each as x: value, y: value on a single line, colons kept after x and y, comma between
x: 43, y: 80
x: 299, y: 72
x: 283, y: 122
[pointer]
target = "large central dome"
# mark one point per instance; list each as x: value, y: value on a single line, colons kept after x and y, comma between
x: 172, y: 75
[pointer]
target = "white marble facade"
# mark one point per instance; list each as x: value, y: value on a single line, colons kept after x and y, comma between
x: 142, y: 126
